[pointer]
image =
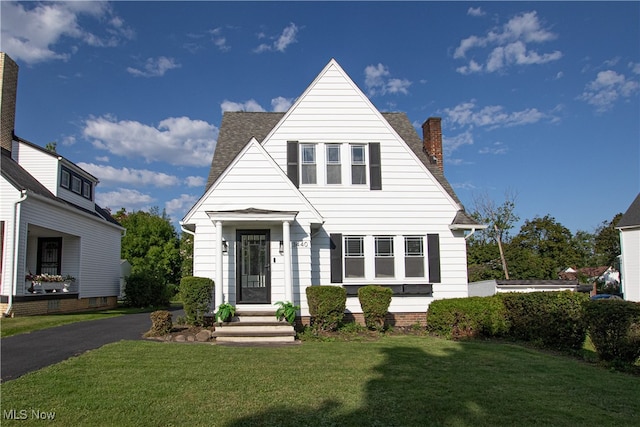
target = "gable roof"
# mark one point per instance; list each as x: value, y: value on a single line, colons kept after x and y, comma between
x: 631, y: 217
x: 17, y: 176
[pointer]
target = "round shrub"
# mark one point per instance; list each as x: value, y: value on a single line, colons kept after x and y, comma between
x: 326, y: 306
x: 471, y: 317
x: 375, y: 301
x: 160, y: 324
x: 196, y: 294
x: 614, y: 328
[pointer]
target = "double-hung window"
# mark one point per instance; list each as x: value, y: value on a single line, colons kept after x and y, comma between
x: 413, y: 256
x: 334, y: 166
x: 76, y: 184
x: 384, y: 259
x: 354, y: 256
x: 308, y: 168
x: 358, y: 165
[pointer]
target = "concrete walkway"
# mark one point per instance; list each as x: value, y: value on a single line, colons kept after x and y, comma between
x: 24, y: 353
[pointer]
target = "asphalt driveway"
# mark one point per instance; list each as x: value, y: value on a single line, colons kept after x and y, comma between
x: 24, y: 353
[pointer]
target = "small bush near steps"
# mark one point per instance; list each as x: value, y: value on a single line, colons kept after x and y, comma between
x: 326, y: 306
x: 196, y: 294
x: 161, y: 324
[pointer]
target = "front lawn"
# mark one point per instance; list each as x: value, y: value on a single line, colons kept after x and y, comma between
x: 395, y: 381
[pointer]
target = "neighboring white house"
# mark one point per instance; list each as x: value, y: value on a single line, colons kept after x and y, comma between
x: 487, y: 288
x: 629, y: 226
x: 50, y: 225
x: 332, y: 192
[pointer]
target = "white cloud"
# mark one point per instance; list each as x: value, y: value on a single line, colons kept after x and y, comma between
x: 510, y: 45
x: 155, y: 67
x: 180, y: 205
x: 219, y: 40
x: 103, y: 159
x: 492, y: 116
x: 131, y: 200
x: 280, y: 43
x: 32, y: 31
x: 194, y: 181
x: 281, y: 104
x: 377, y: 81
x: 495, y: 148
x: 477, y: 11
x: 251, y: 106
x: 607, y: 88
x: 176, y: 140
x: 635, y: 67
x: 451, y: 144
x: 110, y: 176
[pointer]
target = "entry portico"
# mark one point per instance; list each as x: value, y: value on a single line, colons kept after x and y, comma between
x: 252, y: 253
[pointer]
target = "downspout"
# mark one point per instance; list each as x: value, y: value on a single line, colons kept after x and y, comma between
x: 14, y: 284
x: 473, y: 230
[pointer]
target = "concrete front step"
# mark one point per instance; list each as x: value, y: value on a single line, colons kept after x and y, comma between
x: 254, y: 327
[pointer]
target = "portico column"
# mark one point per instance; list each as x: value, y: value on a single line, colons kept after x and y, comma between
x: 286, y: 240
x: 218, y: 281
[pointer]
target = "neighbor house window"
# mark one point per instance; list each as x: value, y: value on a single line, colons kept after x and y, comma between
x: 334, y: 167
x: 384, y: 256
x: 75, y: 182
x: 308, y: 167
x: 354, y: 256
x: 65, y: 179
x: 413, y: 256
x: 358, y: 165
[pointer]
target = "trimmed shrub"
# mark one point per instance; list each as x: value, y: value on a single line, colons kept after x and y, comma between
x: 196, y: 294
x: 375, y: 301
x: 143, y: 290
x: 553, y: 319
x: 614, y: 328
x: 471, y: 317
x: 160, y: 324
x: 326, y: 306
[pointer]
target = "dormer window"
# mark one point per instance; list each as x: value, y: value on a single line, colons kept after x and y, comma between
x: 76, y: 183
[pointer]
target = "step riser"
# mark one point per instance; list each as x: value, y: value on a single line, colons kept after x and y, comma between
x: 254, y: 339
x: 254, y: 328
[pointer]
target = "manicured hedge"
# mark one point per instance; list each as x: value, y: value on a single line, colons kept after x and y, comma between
x: 614, y: 328
x: 553, y: 319
x: 143, y: 290
x: 471, y: 317
x: 326, y: 306
x: 375, y: 301
x: 196, y: 294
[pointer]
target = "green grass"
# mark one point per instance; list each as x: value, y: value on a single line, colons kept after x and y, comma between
x: 394, y: 381
x: 20, y: 325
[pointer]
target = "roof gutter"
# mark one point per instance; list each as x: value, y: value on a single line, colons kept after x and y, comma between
x: 14, y: 250
x: 470, y: 227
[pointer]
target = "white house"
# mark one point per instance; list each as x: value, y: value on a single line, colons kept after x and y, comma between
x: 50, y: 225
x: 332, y: 192
x: 629, y: 226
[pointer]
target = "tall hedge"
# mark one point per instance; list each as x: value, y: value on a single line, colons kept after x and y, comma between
x: 326, y: 306
x: 143, y: 289
x: 375, y: 301
x: 614, y: 328
x: 471, y: 317
x: 196, y: 294
x: 553, y: 319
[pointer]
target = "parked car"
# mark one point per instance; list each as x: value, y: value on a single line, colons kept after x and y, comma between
x: 604, y: 296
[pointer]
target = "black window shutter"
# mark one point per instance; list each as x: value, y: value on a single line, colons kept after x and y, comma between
x: 335, y: 245
x: 374, y: 166
x: 292, y: 162
x: 433, y: 246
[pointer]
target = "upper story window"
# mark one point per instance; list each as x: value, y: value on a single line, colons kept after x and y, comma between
x: 308, y: 170
x: 76, y: 183
x: 358, y: 165
x: 334, y: 166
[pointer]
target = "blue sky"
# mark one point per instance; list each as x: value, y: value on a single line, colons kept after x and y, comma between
x: 540, y: 99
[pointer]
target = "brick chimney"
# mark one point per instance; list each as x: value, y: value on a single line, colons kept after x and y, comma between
x: 432, y: 140
x: 9, y: 89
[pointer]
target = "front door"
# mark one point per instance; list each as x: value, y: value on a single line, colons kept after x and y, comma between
x: 253, y: 276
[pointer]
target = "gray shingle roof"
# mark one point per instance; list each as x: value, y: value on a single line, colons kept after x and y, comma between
x: 17, y: 176
x: 631, y: 217
x: 237, y: 129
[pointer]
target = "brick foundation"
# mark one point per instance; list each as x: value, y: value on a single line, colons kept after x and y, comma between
x: 392, y: 319
x: 57, y: 306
